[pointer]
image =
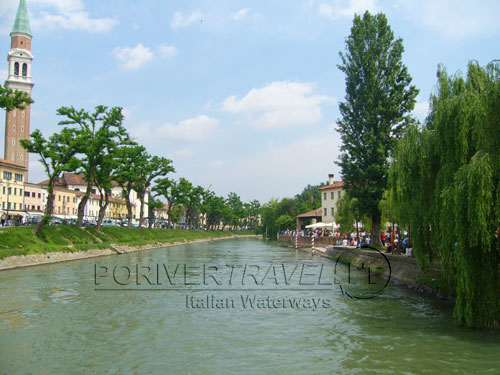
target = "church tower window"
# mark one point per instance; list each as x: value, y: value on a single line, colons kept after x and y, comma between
x: 25, y: 70
x: 16, y: 68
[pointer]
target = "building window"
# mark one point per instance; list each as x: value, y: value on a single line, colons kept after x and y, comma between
x: 26, y: 193
x: 39, y: 195
x: 14, y: 127
x: 9, y: 191
x: 38, y: 208
x: 331, y: 195
x: 20, y: 192
x: 333, y: 211
x: 3, y: 205
x: 25, y: 70
x: 33, y: 195
x: 59, y: 198
x: 339, y: 194
x: 16, y: 68
x: 18, y: 177
x: 3, y: 190
x: 15, y: 204
x: 325, y: 211
x: 7, y: 175
x: 324, y: 196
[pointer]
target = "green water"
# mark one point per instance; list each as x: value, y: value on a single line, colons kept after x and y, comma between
x: 54, y: 321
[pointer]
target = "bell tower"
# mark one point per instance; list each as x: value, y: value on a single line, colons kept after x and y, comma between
x: 17, y: 121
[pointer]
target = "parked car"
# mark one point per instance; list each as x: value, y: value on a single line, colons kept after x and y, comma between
x: 108, y: 222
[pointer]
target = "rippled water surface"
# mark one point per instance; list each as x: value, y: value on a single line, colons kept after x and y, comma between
x: 54, y: 321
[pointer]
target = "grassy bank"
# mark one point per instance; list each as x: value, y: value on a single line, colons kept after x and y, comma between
x: 67, y: 238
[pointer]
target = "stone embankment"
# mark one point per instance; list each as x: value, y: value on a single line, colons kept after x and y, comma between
x: 402, y: 269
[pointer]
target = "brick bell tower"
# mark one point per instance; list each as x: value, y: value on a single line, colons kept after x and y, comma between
x: 17, y: 121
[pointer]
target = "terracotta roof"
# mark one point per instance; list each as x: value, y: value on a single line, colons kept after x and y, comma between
x: 73, y: 179
x: 313, y: 213
x: 335, y: 185
x: 11, y: 164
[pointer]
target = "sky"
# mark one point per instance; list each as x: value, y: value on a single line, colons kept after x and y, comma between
x: 242, y: 96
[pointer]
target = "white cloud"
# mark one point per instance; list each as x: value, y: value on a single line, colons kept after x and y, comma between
x: 217, y: 163
x: 279, y: 105
x: 167, y: 51
x: 278, y: 164
x: 347, y: 9
x: 192, y: 130
x: 133, y: 58
x: 454, y: 20
x: 68, y: 15
x: 242, y: 13
x: 180, y: 21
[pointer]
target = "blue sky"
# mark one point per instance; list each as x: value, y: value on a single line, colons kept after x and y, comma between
x: 241, y: 95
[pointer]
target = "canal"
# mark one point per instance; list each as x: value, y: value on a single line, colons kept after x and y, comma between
x: 238, y: 306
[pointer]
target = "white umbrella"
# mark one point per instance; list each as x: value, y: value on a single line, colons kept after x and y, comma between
x: 319, y: 225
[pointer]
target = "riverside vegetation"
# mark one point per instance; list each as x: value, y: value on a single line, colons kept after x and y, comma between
x: 68, y: 238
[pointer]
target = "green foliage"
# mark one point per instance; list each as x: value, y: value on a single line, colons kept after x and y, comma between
x: 99, y: 133
x: 347, y: 213
x: 67, y: 238
x: 10, y: 99
x: 379, y: 98
x: 57, y: 154
x: 445, y: 184
x: 285, y: 222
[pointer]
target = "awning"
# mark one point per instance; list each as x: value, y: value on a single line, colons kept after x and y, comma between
x: 321, y: 225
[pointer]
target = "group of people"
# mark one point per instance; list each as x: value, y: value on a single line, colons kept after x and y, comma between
x: 391, y: 241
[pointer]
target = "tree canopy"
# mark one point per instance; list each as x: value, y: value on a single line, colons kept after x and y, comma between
x: 379, y: 98
x: 445, y: 183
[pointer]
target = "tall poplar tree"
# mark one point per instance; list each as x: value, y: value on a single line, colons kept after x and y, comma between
x: 377, y: 106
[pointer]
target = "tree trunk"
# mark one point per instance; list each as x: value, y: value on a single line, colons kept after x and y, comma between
x: 126, y: 195
x: 141, y: 211
x: 376, y: 230
x: 82, y: 204
x: 49, y: 209
x: 102, y: 208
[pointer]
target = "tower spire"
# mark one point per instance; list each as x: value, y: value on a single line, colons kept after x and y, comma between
x: 22, y: 23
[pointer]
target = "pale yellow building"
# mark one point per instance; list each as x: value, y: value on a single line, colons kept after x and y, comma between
x: 12, y: 178
x: 330, y: 195
x: 35, y: 198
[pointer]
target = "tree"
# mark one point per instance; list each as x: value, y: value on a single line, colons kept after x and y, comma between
x: 445, y: 182
x: 57, y: 154
x: 153, y: 204
x: 10, y: 99
x: 236, y: 212
x: 347, y: 213
x: 285, y: 222
x: 148, y: 168
x: 100, y: 131
x: 174, y: 193
x: 379, y: 98
x: 213, y: 207
x: 127, y: 172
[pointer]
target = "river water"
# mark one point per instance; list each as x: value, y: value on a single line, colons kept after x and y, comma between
x: 225, y: 312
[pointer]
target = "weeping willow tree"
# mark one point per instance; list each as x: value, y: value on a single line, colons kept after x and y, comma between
x: 445, y: 181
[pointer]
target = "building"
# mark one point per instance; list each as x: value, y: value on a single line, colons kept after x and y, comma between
x: 35, y: 198
x: 330, y: 195
x: 17, y: 121
x: 12, y: 178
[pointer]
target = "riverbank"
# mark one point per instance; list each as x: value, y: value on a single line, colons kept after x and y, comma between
x: 402, y: 270
x: 19, y: 247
